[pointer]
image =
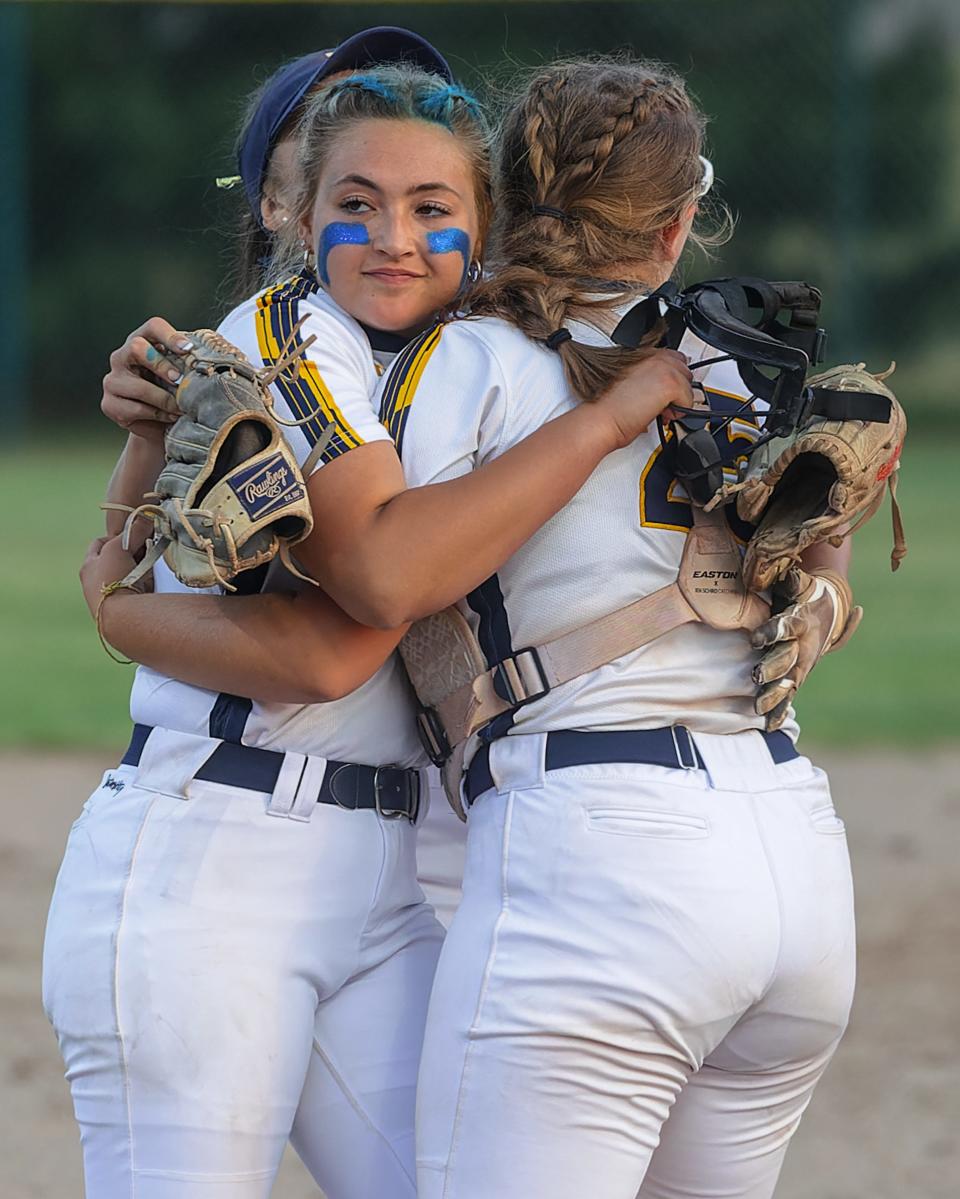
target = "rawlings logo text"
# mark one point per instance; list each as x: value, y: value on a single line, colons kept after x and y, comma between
x: 269, y: 487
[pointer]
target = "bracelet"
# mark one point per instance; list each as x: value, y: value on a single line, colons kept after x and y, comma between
x: 106, y: 590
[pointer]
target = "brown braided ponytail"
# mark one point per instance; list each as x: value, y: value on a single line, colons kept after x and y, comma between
x: 597, y: 159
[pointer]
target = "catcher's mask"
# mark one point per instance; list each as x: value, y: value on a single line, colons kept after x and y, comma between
x: 741, y: 317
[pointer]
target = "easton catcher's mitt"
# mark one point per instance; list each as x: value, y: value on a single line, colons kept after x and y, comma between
x: 231, y: 496
x: 821, y: 482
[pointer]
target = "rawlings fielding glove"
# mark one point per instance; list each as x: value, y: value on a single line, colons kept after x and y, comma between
x: 231, y: 496
x: 822, y: 481
x: 816, y: 615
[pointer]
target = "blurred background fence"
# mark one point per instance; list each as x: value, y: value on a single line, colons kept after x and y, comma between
x: 836, y: 137
x: 835, y: 133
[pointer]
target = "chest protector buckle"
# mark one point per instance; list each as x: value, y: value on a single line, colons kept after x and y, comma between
x: 459, y: 692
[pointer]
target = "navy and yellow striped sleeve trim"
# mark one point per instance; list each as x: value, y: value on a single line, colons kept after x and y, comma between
x: 405, y: 375
x: 307, y: 395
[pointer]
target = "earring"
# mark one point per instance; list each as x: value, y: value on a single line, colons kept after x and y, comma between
x: 474, y: 271
x: 309, y: 257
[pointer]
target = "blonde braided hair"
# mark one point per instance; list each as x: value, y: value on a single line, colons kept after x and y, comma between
x: 597, y: 159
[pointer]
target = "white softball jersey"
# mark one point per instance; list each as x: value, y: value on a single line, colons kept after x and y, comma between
x: 465, y: 393
x: 338, y: 376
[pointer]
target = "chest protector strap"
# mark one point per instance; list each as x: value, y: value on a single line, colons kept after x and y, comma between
x: 459, y: 693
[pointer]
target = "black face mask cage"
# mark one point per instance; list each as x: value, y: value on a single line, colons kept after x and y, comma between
x: 741, y: 318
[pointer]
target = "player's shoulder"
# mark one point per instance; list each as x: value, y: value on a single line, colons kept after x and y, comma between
x: 454, y: 360
x: 481, y: 346
x: 304, y: 293
x: 294, y: 309
x: 326, y: 396
x: 497, y: 337
x: 461, y: 351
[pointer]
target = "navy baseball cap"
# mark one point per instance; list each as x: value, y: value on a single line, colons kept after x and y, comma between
x: 287, y: 88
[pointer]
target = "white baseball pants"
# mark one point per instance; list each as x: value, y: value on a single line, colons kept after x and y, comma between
x: 646, y: 977
x: 221, y: 979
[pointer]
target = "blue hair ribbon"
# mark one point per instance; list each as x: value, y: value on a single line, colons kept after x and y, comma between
x: 436, y: 105
x: 365, y: 83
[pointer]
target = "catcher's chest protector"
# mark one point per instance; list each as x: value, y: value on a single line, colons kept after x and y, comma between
x: 459, y: 693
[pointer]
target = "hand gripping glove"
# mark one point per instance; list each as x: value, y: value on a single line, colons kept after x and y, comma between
x: 231, y: 496
x: 821, y: 482
x: 816, y: 615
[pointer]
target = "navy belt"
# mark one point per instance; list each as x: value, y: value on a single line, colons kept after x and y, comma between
x: 652, y: 747
x: 391, y: 791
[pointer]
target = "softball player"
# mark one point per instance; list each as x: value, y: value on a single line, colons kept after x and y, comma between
x: 653, y: 960
x: 220, y: 980
x: 266, y: 153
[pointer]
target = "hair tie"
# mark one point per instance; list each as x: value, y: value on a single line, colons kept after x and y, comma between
x: 557, y: 338
x: 364, y: 83
x: 545, y: 210
x: 434, y: 104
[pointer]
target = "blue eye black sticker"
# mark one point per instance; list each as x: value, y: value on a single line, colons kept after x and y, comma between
x: 338, y: 233
x: 448, y: 241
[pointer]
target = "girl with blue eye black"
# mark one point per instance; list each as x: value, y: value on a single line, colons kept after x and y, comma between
x: 149, y: 1123
x: 268, y: 173
x: 256, y: 954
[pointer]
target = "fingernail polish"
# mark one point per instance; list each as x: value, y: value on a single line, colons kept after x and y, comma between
x: 174, y: 376
x: 184, y: 344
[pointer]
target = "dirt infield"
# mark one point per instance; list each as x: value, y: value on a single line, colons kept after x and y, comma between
x: 883, y: 1124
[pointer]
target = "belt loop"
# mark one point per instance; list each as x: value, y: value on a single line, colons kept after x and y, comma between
x: 308, y: 790
x: 686, y: 758
x: 283, y: 801
x: 518, y: 763
x: 170, y: 760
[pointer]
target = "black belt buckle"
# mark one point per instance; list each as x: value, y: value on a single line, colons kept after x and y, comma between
x: 394, y: 783
x: 433, y: 736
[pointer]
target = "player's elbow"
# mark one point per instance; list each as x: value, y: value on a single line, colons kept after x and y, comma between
x: 323, y: 677
x: 387, y: 605
x: 321, y: 692
x: 313, y: 670
x: 383, y: 612
x: 378, y: 595
x: 380, y: 588
x: 326, y: 675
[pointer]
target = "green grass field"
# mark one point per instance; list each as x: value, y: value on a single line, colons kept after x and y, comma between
x: 895, y: 684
